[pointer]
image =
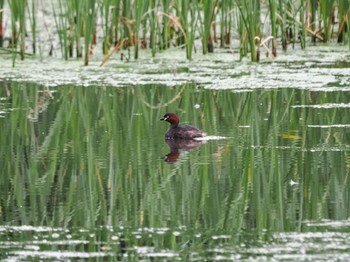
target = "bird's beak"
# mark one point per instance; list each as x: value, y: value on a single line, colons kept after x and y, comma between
x: 163, y: 118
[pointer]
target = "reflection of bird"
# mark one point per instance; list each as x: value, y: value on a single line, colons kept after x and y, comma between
x: 180, y: 132
x: 178, y: 145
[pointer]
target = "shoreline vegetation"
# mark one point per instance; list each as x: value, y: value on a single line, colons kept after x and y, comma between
x: 80, y: 27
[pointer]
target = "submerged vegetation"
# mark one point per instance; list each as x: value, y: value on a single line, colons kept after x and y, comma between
x: 158, y: 25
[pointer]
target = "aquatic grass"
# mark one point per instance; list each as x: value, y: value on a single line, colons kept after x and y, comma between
x: 1, y: 23
x: 126, y: 20
x: 76, y: 26
x: 32, y: 18
x: 326, y: 11
x: 273, y: 19
x: 158, y: 24
x: 153, y: 24
x: 225, y: 11
x: 243, y: 39
x: 208, y: 9
x: 18, y: 34
x: 22, y: 29
x: 105, y: 14
x: 89, y: 22
x: 62, y: 24
x: 115, y: 21
x: 281, y: 8
x: 348, y: 25
x: 312, y: 18
x: 250, y: 19
x: 302, y: 30
x: 187, y: 16
x: 139, y: 10
x: 289, y: 23
x: 166, y: 24
x: 343, y: 11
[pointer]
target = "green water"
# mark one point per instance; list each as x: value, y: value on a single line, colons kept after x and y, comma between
x: 86, y: 172
x: 83, y: 172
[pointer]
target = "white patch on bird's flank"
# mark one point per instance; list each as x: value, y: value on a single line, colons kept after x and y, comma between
x: 205, y: 138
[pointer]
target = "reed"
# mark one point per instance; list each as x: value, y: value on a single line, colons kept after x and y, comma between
x: 250, y: 19
x: 327, y: 13
x: 243, y: 39
x: 281, y: 8
x: 291, y: 17
x: 348, y: 25
x: 166, y: 24
x: 115, y: 21
x: 89, y: 22
x: 62, y: 25
x: 20, y: 6
x: 32, y: 19
x: 1, y: 23
x: 208, y: 7
x: 273, y: 19
x: 153, y: 24
x: 18, y: 34
x: 187, y: 16
x: 343, y: 11
x: 139, y: 10
x: 106, y: 14
x: 302, y: 30
x: 126, y: 21
x: 159, y: 24
x: 225, y: 11
x: 312, y: 18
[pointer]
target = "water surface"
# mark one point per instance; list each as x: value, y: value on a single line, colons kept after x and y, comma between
x: 87, y: 174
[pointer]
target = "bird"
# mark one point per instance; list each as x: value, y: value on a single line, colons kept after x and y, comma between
x: 177, y: 131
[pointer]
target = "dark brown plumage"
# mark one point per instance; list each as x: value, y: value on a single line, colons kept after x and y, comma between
x: 176, y: 131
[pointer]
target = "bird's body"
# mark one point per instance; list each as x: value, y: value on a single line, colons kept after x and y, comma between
x: 177, y: 131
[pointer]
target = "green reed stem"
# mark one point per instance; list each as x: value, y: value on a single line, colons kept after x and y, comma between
x: 32, y: 20
x: 115, y: 21
x: 273, y: 19
x: 208, y: 9
x: 14, y: 38
x: 348, y: 24
x: 302, y: 31
x: 166, y: 4
x: 250, y: 16
x: 139, y: 10
x: 1, y: 23
x: 281, y: 7
x: 326, y: 10
x: 89, y: 19
x: 76, y: 22
x: 21, y: 17
x: 105, y: 13
x: 126, y: 18
x: 225, y: 12
x: 343, y: 11
x: 153, y: 26
x: 161, y: 21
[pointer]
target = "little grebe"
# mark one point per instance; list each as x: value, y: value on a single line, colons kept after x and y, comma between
x: 180, y: 132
